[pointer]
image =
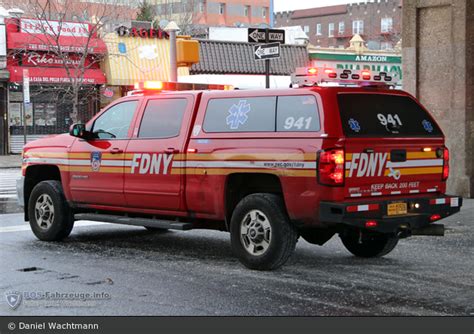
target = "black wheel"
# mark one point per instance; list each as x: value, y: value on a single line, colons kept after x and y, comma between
x: 261, y: 233
x: 156, y: 229
x: 51, y: 219
x: 368, y: 244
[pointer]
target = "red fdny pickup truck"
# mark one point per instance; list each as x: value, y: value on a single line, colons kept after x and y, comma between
x: 367, y: 163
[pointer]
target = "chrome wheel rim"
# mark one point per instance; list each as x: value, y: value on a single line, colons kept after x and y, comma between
x: 255, y: 232
x: 44, y: 211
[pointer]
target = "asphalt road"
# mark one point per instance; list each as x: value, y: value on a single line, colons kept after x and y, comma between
x: 195, y: 273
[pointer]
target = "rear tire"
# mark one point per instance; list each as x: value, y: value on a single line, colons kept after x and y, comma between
x: 51, y: 218
x: 370, y: 245
x: 262, y: 236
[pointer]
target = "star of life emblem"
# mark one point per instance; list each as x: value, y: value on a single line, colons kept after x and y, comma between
x: 238, y: 114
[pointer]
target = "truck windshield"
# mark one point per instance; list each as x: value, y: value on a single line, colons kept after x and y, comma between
x: 383, y: 115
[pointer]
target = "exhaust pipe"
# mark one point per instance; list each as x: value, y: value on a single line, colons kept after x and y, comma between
x: 433, y: 230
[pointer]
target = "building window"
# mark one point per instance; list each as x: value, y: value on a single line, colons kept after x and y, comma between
x: 386, y: 46
x: 357, y: 27
x: 221, y: 8
x: 202, y: 6
x: 386, y: 24
x: 306, y: 29
x: 246, y: 10
x: 342, y: 27
x: 331, y: 30
x: 264, y: 12
x: 319, y: 29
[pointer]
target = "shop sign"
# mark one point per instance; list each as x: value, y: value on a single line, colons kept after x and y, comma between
x: 55, y: 28
x: 26, y: 86
x: 55, y: 80
x: 123, y: 31
x: 375, y: 67
x: 368, y: 58
x: 51, y: 60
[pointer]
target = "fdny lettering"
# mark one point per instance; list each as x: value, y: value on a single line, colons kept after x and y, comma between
x: 151, y: 163
x: 364, y: 164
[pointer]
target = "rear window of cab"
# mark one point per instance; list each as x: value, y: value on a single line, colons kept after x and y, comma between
x: 383, y: 115
x: 295, y: 113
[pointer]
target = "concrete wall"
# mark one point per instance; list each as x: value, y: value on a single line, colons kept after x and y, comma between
x: 437, y: 66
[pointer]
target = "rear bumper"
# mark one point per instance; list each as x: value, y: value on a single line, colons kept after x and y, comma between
x: 357, y: 214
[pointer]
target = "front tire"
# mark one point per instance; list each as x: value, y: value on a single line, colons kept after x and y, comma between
x: 262, y: 236
x: 368, y: 245
x: 51, y: 219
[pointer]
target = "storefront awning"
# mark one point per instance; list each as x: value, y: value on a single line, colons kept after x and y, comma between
x: 134, y: 59
x: 49, y: 75
x: 37, y: 42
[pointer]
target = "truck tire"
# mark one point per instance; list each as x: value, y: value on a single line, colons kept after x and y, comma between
x: 51, y: 218
x: 370, y: 245
x: 156, y: 229
x: 262, y: 236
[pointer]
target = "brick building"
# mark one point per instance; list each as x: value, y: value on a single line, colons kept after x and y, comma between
x: 378, y: 22
x: 207, y: 13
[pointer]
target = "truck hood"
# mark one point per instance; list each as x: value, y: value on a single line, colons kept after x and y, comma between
x: 55, y: 141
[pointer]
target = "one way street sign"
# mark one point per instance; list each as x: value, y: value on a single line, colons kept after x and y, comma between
x: 266, y: 51
x: 258, y: 35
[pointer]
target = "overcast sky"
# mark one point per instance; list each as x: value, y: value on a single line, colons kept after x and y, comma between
x: 281, y: 5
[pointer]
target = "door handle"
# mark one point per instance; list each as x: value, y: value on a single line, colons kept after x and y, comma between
x: 171, y: 150
x: 116, y: 150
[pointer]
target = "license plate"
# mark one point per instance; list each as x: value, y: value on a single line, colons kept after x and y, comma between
x: 396, y: 209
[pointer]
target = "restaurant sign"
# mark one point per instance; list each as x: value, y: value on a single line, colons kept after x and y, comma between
x: 123, y: 31
x: 51, y: 60
x: 54, y: 28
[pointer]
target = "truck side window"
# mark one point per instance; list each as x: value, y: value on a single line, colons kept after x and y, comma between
x: 162, y: 118
x: 245, y: 114
x: 297, y: 113
x: 115, y: 122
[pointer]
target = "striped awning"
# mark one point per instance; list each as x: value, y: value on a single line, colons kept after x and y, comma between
x: 134, y: 59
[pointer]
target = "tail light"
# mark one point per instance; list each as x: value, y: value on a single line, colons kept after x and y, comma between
x: 445, y: 163
x: 331, y: 167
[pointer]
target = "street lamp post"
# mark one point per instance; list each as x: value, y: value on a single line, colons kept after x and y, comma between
x: 172, y: 28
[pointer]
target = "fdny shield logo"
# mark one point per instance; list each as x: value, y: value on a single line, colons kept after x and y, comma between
x: 96, y: 158
x: 13, y: 299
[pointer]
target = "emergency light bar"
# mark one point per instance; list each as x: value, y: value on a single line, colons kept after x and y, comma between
x: 157, y: 86
x: 310, y: 76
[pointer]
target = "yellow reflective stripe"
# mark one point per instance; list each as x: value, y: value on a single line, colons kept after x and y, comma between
x: 417, y: 171
x: 252, y: 156
x: 421, y: 155
x: 226, y: 171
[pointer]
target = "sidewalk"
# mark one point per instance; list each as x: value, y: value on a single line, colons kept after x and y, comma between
x: 10, y: 161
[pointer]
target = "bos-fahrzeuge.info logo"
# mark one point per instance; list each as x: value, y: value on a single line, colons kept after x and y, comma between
x: 13, y: 299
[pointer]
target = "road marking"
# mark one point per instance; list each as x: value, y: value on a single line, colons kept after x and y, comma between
x: 23, y: 228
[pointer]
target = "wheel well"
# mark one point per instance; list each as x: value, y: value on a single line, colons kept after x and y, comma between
x: 240, y: 185
x: 36, y: 174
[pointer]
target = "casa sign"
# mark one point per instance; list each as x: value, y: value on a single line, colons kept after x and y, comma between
x: 123, y: 31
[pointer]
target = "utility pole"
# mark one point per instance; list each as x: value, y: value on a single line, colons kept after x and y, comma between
x: 172, y: 28
x: 267, y: 62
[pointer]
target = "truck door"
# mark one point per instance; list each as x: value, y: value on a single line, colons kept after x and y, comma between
x: 155, y: 179
x: 96, y: 166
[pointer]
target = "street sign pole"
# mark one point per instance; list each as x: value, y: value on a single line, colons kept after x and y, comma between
x: 26, y: 100
x: 267, y: 63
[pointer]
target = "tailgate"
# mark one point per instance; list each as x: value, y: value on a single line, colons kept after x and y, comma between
x: 392, y: 168
x: 393, y: 146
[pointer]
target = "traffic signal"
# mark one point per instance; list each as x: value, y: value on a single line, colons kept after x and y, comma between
x: 187, y: 51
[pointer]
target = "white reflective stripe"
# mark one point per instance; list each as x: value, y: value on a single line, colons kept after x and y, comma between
x: 440, y: 201
x: 414, y: 191
x: 356, y: 195
x: 251, y: 164
x: 432, y: 190
x: 363, y: 207
x: 454, y: 202
x: 416, y: 163
x: 396, y: 192
x: 376, y: 194
x: 178, y: 164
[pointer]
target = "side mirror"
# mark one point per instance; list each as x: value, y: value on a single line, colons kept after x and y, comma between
x: 78, y: 130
